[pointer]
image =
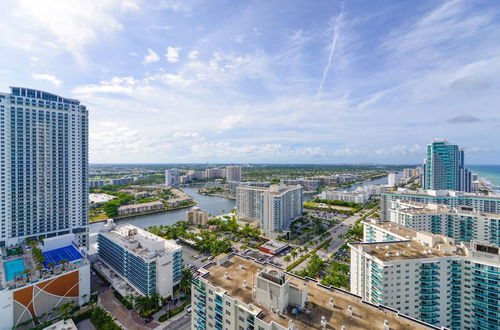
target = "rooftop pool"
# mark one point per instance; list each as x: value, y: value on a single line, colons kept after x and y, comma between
x: 14, y: 268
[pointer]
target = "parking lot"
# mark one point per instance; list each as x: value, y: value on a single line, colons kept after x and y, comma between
x: 189, y: 257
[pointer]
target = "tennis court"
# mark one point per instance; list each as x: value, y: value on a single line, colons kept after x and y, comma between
x: 69, y: 253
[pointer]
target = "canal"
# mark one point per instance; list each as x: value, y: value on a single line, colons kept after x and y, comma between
x: 214, y: 206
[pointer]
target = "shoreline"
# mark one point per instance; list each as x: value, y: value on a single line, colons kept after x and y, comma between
x: 144, y: 213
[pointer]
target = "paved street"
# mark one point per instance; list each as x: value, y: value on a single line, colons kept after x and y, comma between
x: 181, y: 323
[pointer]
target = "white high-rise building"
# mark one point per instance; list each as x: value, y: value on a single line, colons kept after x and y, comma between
x: 275, y: 207
x: 44, y: 166
x: 393, y: 179
x: 233, y: 173
x: 172, y: 177
x: 148, y: 263
x: 428, y: 276
x: 462, y: 223
x: 236, y: 292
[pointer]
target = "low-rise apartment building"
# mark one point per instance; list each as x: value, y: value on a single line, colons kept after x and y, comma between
x: 197, y: 217
x: 237, y: 292
x: 148, y: 263
x: 142, y: 207
x: 346, y: 196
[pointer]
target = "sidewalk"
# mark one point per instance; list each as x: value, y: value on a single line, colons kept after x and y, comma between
x: 129, y: 319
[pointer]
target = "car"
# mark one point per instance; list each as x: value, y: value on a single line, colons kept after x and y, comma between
x: 210, y: 258
x: 93, y: 273
x: 188, y: 310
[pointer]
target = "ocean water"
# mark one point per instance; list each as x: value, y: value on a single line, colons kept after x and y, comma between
x: 490, y: 174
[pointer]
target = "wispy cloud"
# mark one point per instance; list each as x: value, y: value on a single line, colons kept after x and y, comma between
x: 463, y: 119
x: 335, y: 38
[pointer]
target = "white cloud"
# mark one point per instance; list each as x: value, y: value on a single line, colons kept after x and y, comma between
x: 193, y: 55
x: 69, y: 25
x: 117, y: 85
x: 151, y: 57
x: 48, y: 77
x: 172, y: 54
x: 400, y: 150
x: 231, y: 121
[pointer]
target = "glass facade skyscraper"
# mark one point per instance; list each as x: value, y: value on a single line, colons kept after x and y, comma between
x: 44, y: 166
x: 444, y: 168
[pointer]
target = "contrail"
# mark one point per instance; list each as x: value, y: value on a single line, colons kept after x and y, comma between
x: 336, y: 36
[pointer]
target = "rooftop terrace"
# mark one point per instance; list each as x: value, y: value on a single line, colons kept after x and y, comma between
x: 364, y: 315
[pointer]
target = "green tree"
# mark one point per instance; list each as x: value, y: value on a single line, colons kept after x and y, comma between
x: 187, y: 278
x: 65, y: 309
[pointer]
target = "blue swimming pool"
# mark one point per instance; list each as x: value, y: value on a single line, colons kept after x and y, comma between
x: 13, y: 269
x: 69, y: 253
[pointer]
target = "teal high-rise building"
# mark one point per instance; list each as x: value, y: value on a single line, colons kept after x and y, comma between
x: 444, y: 168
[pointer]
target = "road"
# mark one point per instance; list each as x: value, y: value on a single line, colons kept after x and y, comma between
x: 180, y: 323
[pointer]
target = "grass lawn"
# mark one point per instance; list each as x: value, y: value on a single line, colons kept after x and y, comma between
x: 98, y: 216
x: 335, y: 207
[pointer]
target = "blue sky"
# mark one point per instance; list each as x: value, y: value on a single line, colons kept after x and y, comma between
x: 265, y: 81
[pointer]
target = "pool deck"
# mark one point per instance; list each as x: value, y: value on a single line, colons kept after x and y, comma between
x: 36, y: 272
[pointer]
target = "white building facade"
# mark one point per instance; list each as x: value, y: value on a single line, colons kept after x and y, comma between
x: 172, y: 177
x: 462, y: 223
x: 233, y: 173
x: 145, y: 261
x: 429, y: 277
x: 44, y: 166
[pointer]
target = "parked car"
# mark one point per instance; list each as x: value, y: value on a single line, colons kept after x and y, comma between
x: 188, y: 310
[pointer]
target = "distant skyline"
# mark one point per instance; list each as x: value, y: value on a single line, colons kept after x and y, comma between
x: 328, y: 82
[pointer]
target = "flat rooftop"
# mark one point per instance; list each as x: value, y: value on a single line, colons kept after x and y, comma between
x: 440, y: 194
x: 395, y: 228
x: 366, y: 316
x: 401, y: 250
x: 138, y: 240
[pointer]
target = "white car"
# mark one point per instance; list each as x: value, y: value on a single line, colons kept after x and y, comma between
x: 188, y: 310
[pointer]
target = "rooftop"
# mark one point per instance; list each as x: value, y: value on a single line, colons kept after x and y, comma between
x: 365, y: 315
x: 394, y: 228
x: 440, y: 193
x: 404, y: 250
x: 139, y: 241
x: 432, y: 208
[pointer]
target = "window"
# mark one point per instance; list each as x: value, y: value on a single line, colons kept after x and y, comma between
x: 228, y: 303
x: 228, y: 313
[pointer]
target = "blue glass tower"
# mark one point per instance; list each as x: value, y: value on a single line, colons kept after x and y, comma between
x: 444, y: 168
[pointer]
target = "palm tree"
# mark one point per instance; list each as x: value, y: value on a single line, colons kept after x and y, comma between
x: 155, y: 299
x: 294, y: 254
x: 65, y: 308
x: 141, y: 304
x: 187, y: 278
x: 287, y: 259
